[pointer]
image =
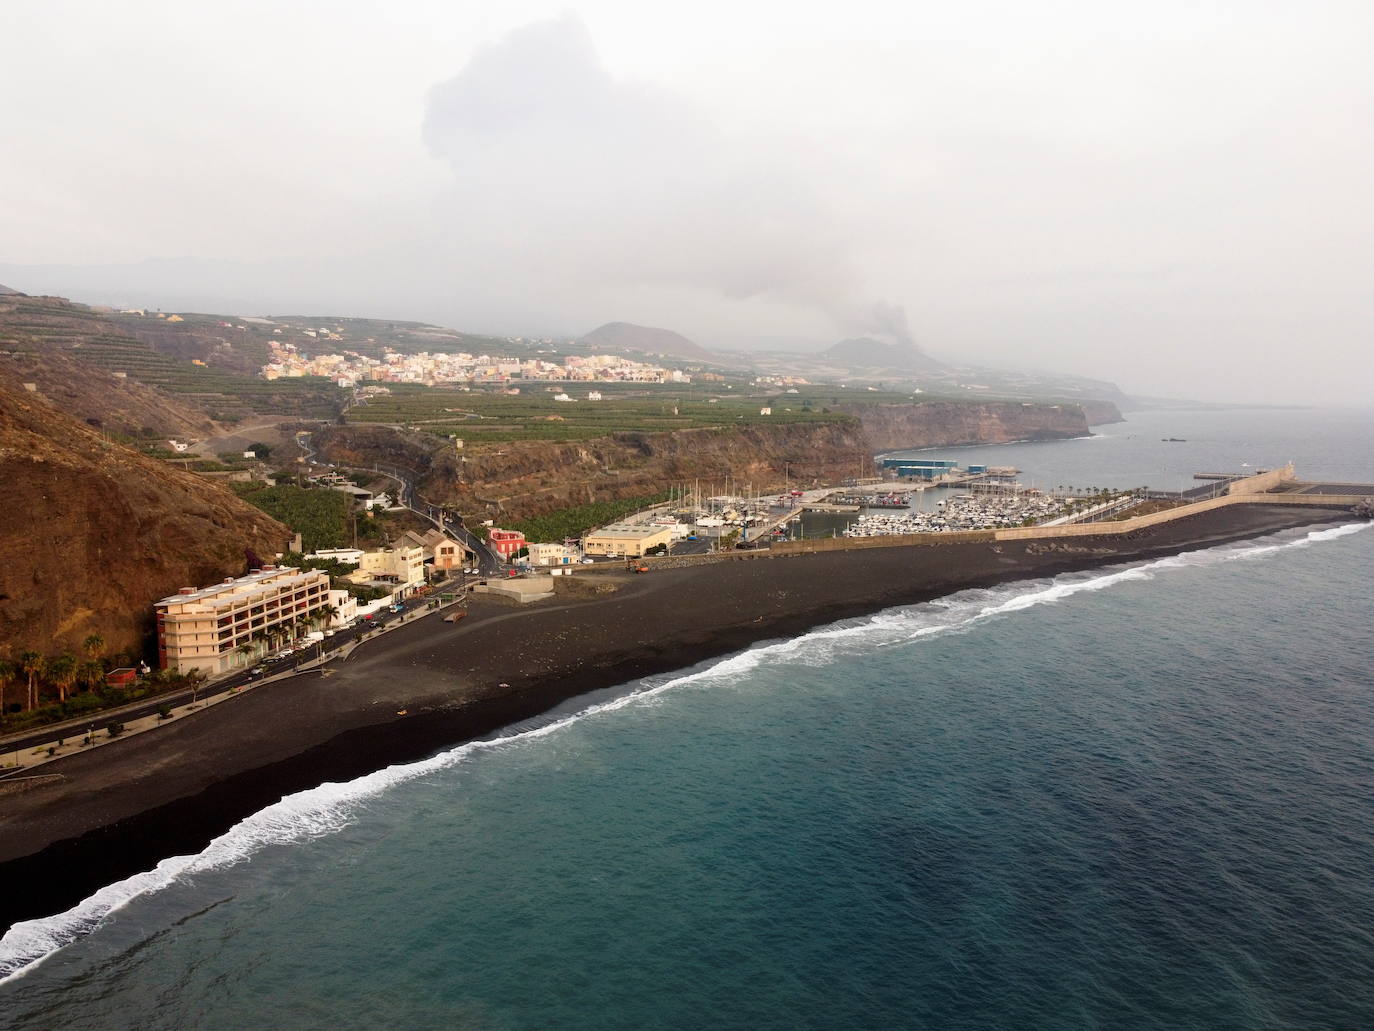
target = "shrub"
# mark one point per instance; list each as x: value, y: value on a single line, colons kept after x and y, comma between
x: 114, y: 729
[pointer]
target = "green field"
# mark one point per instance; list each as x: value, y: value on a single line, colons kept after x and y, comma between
x: 482, y: 416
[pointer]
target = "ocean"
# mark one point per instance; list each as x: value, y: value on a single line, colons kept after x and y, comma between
x: 1135, y: 797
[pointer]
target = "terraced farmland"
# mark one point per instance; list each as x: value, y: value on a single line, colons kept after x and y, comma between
x: 479, y: 417
x: 44, y: 324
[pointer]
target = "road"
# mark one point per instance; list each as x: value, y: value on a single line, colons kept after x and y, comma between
x: 488, y: 562
x: 272, y: 667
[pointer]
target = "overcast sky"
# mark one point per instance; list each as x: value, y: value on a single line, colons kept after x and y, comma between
x: 1174, y: 195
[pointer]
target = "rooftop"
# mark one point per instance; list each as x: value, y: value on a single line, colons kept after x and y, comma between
x: 628, y: 530
x: 276, y: 576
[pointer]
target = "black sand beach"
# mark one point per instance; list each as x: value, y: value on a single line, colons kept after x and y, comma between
x: 120, y: 809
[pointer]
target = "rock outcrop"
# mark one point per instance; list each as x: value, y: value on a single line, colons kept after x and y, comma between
x: 94, y: 532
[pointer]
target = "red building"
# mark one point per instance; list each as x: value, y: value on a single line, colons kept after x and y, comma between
x: 505, y: 542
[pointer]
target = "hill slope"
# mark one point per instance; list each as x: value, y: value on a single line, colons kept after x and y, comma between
x: 94, y: 532
x: 866, y: 352
x: 102, y: 399
x: 625, y: 336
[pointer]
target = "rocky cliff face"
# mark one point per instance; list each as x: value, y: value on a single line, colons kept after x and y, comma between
x: 521, y: 479
x: 948, y: 423
x: 94, y: 532
x: 529, y: 478
x: 1101, y: 413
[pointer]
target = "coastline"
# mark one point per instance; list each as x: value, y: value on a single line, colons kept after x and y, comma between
x: 120, y: 810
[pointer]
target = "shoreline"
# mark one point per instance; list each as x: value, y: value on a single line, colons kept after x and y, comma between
x: 119, y: 811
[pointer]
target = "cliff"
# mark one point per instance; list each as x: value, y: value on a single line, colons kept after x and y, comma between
x: 515, y: 480
x: 527, y: 478
x: 94, y: 532
x: 1101, y: 413
x: 949, y: 423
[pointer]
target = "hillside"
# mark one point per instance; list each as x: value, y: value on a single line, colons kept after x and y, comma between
x: 94, y: 532
x: 868, y: 353
x: 55, y: 325
x: 6, y: 290
x: 625, y: 336
x: 523, y: 478
x: 101, y: 399
x: 529, y: 478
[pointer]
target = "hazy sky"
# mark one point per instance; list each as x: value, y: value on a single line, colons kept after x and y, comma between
x: 1173, y: 195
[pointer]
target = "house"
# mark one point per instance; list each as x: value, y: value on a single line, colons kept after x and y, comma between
x: 345, y: 608
x: 505, y: 542
x: 353, y: 556
x: 403, y: 566
x: 442, y: 552
x: 765, y: 411
x: 552, y: 555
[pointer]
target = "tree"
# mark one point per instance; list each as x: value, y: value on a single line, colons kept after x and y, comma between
x: 245, y: 650
x: 62, y: 672
x: 32, y: 665
x: 7, y: 673
x: 94, y: 647
x: 90, y: 674
x: 195, y: 678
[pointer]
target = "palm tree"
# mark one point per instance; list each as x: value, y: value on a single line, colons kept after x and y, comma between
x: 62, y: 672
x: 245, y: 650
x: 32, y: 665
x: 94, y: 647
x: 8, y: 670
x: 90, y: 674
x: 195, y: 678
x: 325, y: 613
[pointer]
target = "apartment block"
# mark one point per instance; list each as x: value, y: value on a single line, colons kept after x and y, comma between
x: 203, y: 628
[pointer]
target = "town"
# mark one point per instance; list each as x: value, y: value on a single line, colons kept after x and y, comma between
x: 351, y: 368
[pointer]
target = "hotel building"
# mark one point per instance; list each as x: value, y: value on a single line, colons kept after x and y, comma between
x: 203, y: 628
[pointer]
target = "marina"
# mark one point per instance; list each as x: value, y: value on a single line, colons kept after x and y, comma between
x: 963, y: 512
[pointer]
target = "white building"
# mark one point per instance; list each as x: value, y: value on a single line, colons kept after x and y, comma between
x: 345, y: 608
x: 552, y: 555
x: 404, y: 567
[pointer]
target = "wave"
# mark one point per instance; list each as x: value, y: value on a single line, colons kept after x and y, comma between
x: 329, y: 807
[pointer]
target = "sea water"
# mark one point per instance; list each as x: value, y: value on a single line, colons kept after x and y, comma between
x: 1133, y: 797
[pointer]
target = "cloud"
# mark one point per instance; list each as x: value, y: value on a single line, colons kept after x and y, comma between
x: 576, y: 177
